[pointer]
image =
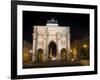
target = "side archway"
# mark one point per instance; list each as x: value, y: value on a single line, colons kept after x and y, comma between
x: 40, y: 55
x: 63, y: 54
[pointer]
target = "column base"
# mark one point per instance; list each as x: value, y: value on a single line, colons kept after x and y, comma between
x: 33, y: 58
x: 68, y: 57
x: 58, y: 57
x: 44, y: 57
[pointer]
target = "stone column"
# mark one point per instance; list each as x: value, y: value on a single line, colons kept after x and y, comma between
x: 68, y: 46
x: 58, y: 47
x: 34, y: 44
x: 47, y: 44
x: 44, y: 54
x: 33, y: 55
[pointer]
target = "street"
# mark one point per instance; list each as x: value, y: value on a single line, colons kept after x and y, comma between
x: 56, y: 64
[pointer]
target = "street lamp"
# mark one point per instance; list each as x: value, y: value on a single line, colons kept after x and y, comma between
x: 30, y: 51
x: 85, y: 46
x: 71, y: 50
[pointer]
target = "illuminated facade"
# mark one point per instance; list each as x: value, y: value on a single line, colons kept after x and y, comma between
x: 51, y: 42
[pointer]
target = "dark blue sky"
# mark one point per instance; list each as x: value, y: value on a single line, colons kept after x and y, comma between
x: 79, y: 23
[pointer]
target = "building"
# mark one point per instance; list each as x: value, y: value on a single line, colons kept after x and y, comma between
x: 51, y: 42
x: 80, y: 49
x: 76, y: 47
x: 26, y: 51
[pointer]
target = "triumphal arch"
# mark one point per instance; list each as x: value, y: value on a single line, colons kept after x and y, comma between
x: 51, y: 42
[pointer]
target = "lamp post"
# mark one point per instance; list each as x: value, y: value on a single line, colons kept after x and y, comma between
x: 30, y: 51
x: 84, y: 46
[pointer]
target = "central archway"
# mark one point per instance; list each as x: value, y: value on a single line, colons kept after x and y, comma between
x: 52, y: 49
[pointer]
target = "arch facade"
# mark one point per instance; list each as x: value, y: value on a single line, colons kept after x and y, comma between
x: 52, y: 39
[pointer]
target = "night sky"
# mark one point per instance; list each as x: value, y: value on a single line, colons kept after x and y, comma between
x: 79, y: 23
